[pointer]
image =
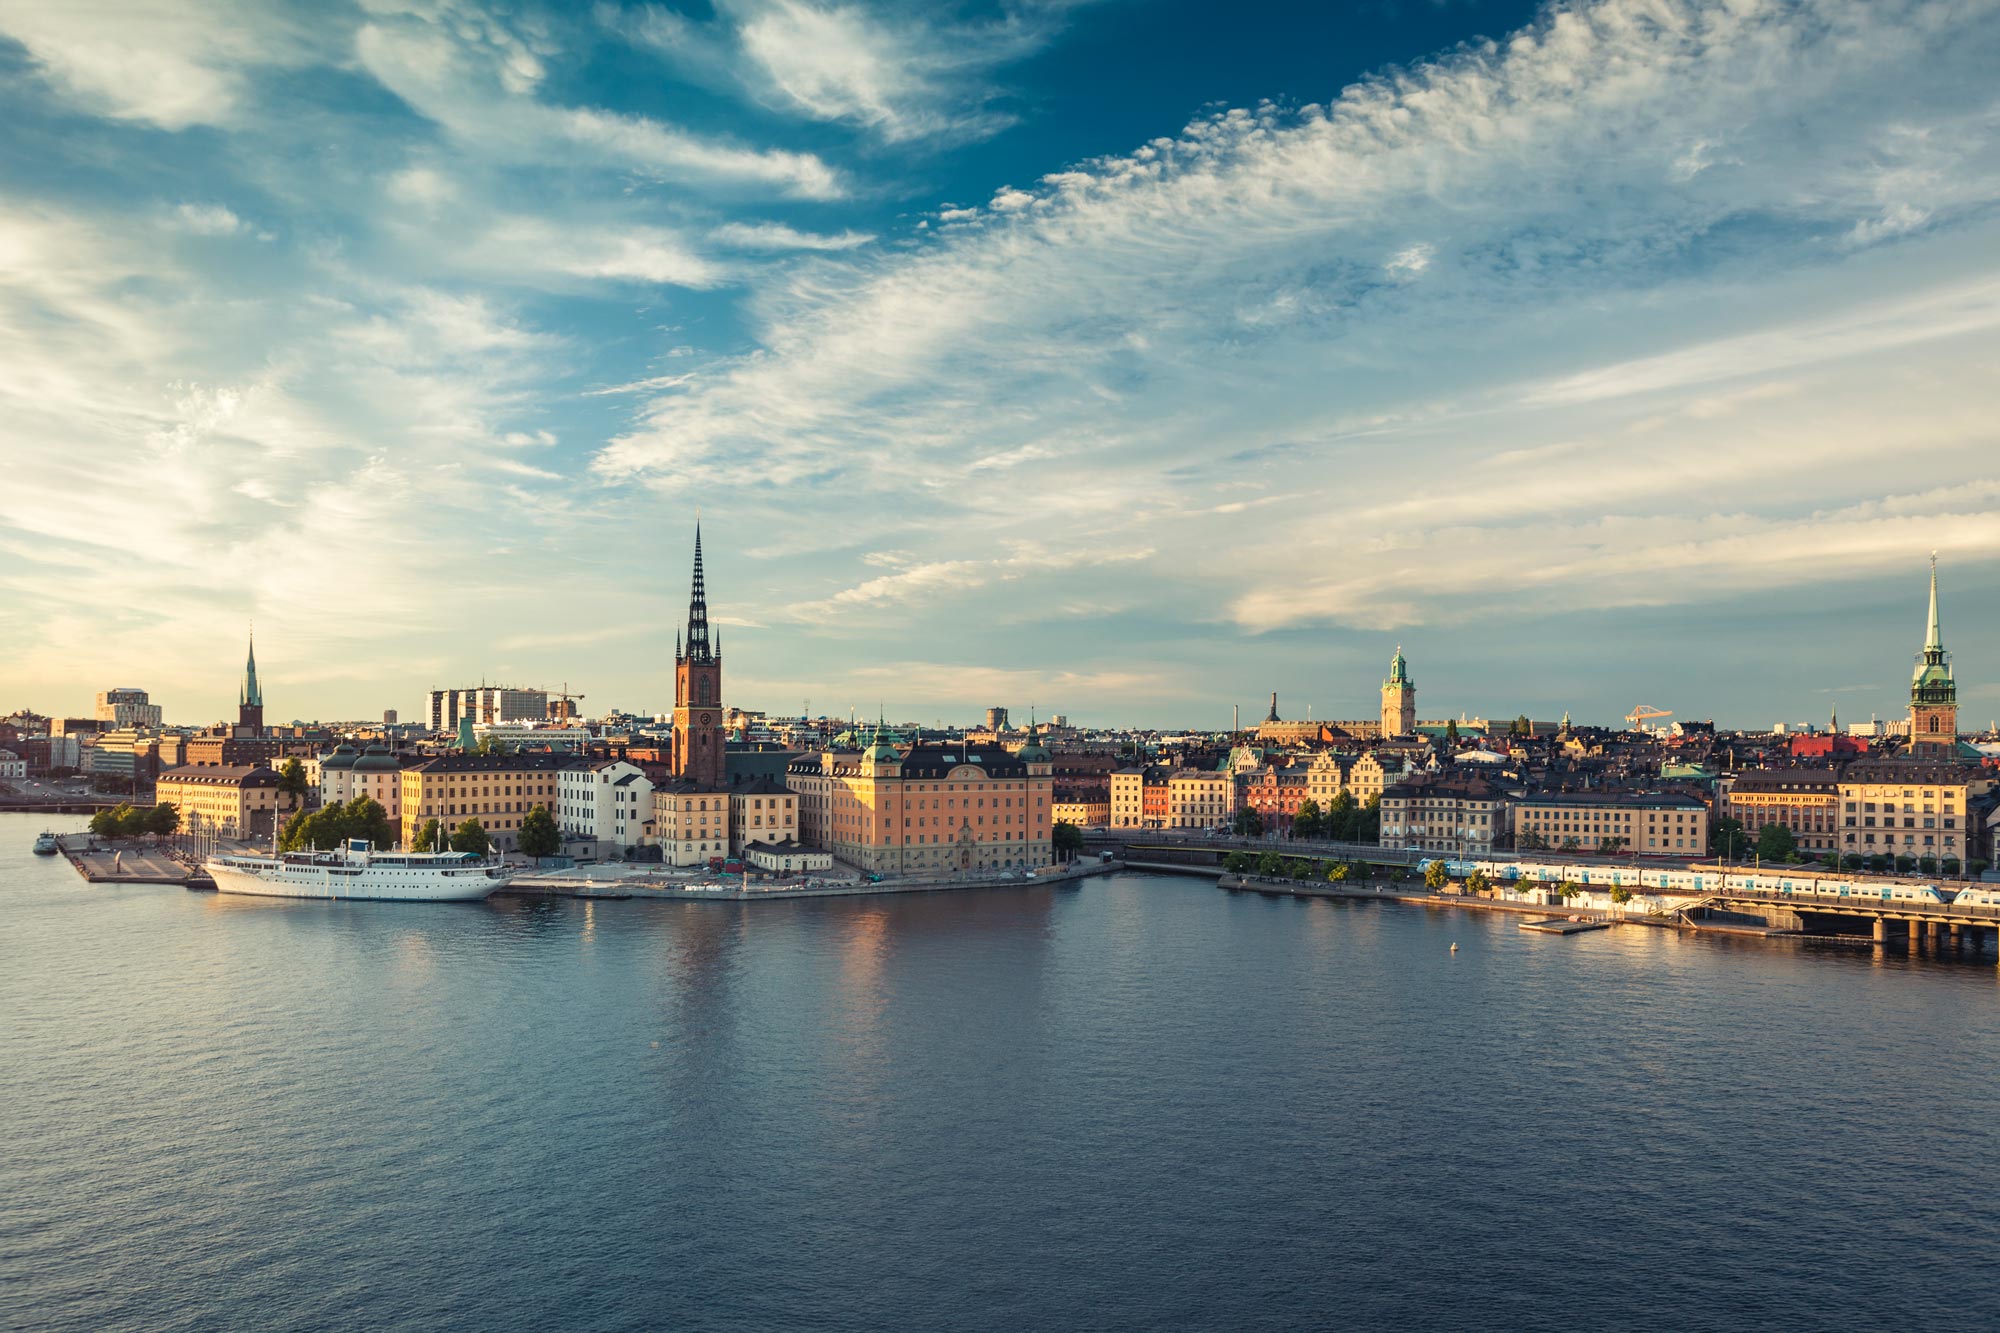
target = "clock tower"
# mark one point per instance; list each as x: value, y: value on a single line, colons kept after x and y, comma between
x: 698, y: 750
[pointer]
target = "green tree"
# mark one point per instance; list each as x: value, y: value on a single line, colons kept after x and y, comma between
x: 1271, y: 864
x: 1337, y: 872
x: 1435, y: 875
x: 1905, y: 864
x: 1974, y: 868
x: 1451, y: 732
x: 1927, y: 865
x: 1851, y: 861
x: 1369, y: 827
x: 1950, y: 866
x: 1566, y: 890
x: 540, y: 837
x: 1620, y: 894
x: 1610, y: 846
x: 1531, y: 841
x: 1343, y: 817
x: 1572, y: 844
x: 292, y: 781
x: 1725, y: 837
x: 471, y: 837
x: 430, y: 837
x: 112, y: 823
x: 1248, y: 823
x: 1299, y: 867
x: 163, y: 819
x: 1309, y: 822
x: 1775, y: 842
x: 1476, y: 882
x: 1239, y: 863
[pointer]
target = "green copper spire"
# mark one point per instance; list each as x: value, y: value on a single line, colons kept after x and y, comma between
x: 252, y: 693
x: 1935, y: 641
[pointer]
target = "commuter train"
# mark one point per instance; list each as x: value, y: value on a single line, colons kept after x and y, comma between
x: 1698, y: 881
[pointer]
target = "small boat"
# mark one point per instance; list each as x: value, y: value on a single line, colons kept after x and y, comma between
x: 46, y: 844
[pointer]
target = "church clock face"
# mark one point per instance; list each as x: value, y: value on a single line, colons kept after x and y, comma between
x: 707, y: 719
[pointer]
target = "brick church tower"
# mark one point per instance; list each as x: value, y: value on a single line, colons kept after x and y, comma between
x: 698, y: 751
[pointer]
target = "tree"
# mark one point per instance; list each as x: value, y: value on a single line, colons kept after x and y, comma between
x: 540, y: 837
x: 1300, y: 867
x: 1272, y: 864
x: 1927, y: 864
x: 1308, y: 822
x: 1620, y: 894
x: 333, y: 825
x: 1435, y: 875
x: 1248, y: 823
x: 1532, y: 841
x: 1337, y: 872
x: 1342, y: 817
x: 1369, y: 827
x: 1725, y: 837
x: 1877, y: 863
x: 1950, y: 866
x: 1451, y: 733
x: 1851, y: 861
x: 1566, y: 890
x: 1477, y: 882
x: 1572, y: 844
x: 1609, y: 846
x: 471, y: 837
x: 430, y: 837
x: 1974, y: 868
x: 1775, y: 842
x: 1905, y: 864
x: 111, y: 823
x: 1239, y: 863
x: 163, y: 819
x: 292, y: 781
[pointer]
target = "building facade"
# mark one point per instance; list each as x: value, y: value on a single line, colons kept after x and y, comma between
x: 608, y: 802
x: 1085, y: 808
x: 1910, y: 807
x: 1200, y: 798
x: 1650, y: 823
x: 125, y: 707
x: 235, y: 800
x: 762, y: 812
x: 1462, y: 816
x: 690, y: 823
x: 933, y: 809
x: 1805, y: 801
x: 497, y: 790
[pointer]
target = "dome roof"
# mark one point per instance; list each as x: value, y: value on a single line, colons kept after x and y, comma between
x: 1034, y: 752
x: 377, y: 759
x: 343, y: 756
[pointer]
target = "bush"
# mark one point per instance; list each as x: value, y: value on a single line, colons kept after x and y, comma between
x: 1927, y: 865
x: 1905, y: 864
x: 1950, y: 865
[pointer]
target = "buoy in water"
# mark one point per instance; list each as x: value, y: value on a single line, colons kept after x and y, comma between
x: 1454, y: 946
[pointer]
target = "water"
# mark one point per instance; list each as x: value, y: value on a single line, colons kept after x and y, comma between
x: 1138, y: 1103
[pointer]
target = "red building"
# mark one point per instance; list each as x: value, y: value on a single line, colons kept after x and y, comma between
x: 1275, y: 794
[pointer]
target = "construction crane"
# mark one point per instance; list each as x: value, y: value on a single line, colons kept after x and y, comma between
x: 566, y: 711
x: 1644, y: 713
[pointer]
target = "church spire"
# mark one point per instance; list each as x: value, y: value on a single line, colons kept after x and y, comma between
x: 698, y: 649
x: 1935, y: 640
x: 251, y: 694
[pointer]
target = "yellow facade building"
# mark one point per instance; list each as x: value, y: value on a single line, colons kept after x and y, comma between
x: 762, y: 812
x: 234, y: 800
x: 497, y: 790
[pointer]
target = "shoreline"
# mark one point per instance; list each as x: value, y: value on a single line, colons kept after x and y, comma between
x: 614, y: 891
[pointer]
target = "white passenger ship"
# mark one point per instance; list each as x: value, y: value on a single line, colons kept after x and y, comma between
x: 357, y: 871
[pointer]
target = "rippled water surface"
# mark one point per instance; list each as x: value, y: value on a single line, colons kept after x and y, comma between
x: 1138, y: 1103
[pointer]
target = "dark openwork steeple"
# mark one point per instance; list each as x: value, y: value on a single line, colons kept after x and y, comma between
x: 250, y: 695
x: 698, y: 648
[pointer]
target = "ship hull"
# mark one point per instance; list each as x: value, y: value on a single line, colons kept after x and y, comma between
x: 381, y: 886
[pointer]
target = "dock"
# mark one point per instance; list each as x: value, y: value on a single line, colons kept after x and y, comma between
x: 1563, y: 926
x: 135, y: 863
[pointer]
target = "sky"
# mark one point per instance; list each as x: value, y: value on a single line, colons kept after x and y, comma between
x: 1124, y: 360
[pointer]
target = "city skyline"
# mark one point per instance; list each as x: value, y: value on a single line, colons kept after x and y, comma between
x: 1616, y: 360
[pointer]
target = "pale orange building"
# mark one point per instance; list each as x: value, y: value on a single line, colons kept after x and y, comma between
x: 930, y: 809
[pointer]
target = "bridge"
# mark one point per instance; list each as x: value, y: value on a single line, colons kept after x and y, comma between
x: 1918, y: 923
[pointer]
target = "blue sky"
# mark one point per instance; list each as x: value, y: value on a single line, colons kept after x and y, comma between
x: 1130, y: 361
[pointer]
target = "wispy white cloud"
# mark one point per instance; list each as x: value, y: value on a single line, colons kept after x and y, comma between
x: 777, y: 236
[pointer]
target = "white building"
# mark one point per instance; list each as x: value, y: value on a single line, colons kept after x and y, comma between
x: 126, y: 707
x: 13, y: 768
x: 515, y: 734
x: 347, y: 773
x: 787, y: 857
x: 605, y: 801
